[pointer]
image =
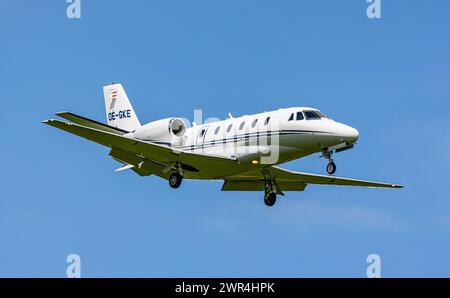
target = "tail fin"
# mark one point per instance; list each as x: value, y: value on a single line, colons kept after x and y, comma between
x: 119, y: 111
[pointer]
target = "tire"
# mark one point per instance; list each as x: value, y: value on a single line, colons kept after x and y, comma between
x: 175, y: 180
x: 331, y: 168
x: 270, y: 199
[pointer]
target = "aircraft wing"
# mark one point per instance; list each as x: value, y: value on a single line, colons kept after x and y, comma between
x: 161, y: 155
x: 289, y: 180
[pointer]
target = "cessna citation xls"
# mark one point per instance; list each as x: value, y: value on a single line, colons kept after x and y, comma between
x: 243, y: 152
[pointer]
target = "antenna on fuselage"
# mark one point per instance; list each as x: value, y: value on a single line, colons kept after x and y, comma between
x: 230, y: 116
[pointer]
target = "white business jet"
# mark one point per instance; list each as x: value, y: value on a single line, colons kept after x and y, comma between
x: 242, y: 151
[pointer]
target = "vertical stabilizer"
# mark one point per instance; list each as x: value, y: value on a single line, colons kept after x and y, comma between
x: 119, y: 111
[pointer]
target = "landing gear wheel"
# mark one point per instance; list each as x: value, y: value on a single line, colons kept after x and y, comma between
x: 175, y: 180
x: 331, y: 168
x: 270, y: 199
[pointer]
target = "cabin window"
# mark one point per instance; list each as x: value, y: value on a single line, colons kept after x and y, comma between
x: 229, y: 127
x: 291, y: 117
x: 312, y: 115
x: 217, y: 130
x: 267, y: 121
x: 242, y: 125
x: 254, y: 122
x: 300, y: 116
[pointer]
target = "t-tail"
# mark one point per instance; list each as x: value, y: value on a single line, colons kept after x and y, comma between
x: 119, y: 111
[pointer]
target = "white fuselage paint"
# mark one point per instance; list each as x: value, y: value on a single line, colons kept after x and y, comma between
x: 274, y: 142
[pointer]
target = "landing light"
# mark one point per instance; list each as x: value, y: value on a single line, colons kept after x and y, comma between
x: 255, y: 162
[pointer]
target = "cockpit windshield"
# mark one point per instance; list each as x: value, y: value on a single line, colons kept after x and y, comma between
x: 313, y: 115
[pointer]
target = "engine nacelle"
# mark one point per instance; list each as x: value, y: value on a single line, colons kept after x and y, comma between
x: 168, y: 130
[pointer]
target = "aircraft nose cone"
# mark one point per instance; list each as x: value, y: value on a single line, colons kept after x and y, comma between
x: 352, y: 134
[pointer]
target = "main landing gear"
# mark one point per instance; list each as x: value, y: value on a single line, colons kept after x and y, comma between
x: 331, y: 166
x: 176, y: 178
x: 270, y: 194
x: 270, y: 199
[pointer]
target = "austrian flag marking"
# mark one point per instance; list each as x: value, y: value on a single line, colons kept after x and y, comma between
x: 114, y: 94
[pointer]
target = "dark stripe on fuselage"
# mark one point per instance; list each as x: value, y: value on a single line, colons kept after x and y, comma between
x: 247, y: 136
x: 243, y: 137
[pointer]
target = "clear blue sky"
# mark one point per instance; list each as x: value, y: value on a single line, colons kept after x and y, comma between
x: 389, y: 78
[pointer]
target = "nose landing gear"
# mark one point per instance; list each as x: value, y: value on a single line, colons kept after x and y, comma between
x: 331, y: 166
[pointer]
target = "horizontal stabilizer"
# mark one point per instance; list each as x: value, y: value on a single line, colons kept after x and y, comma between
x: 90, y: 123
x: 123, y: 168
